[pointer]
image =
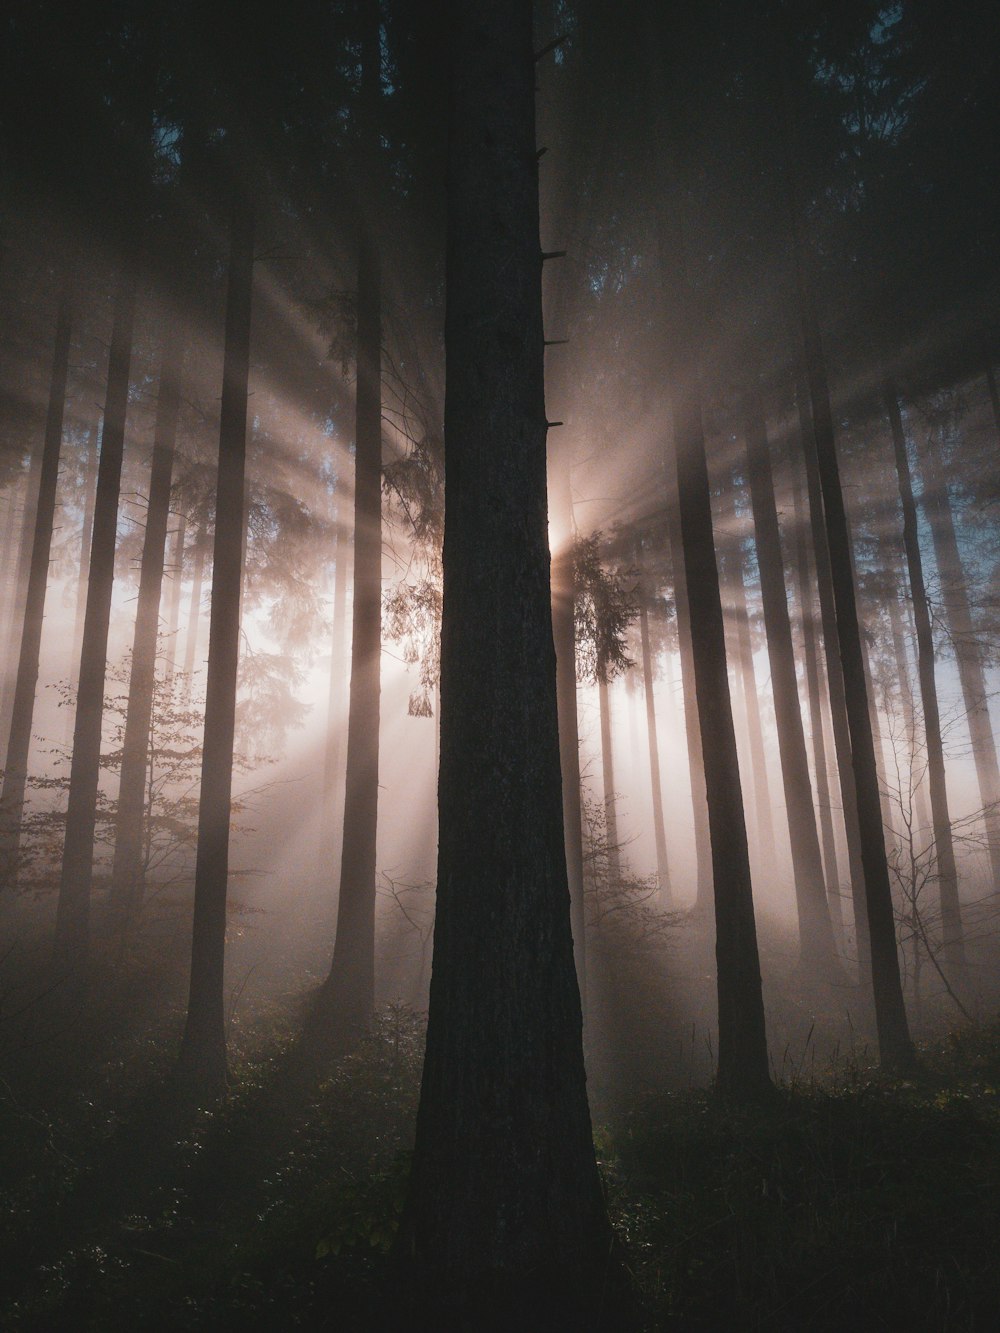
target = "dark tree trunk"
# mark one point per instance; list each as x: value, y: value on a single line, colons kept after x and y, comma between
x: 814, y: 690
x: 73, y: 912
x: 968, y: 653
x: 895, y: 1045
x: 953, y: 944
x: 505, y: 1220
x: 839, y: 721
x: 662, y: 864
x: 608, y: 784
x: 816, y: 943
x: 692, y: 726
x: 19, y: 592
x: 202, y: 1061
x: 742, y: 1069
x: 734, y: 568
x: 86, y: 533
x: 127, y: 873
x: 347, y: 1000
x: 916, y: 788
x: 564, y: 639
x: 19, y: 743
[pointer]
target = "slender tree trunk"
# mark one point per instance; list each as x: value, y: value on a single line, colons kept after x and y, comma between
x: 330, y: 844
x: 608, y: 782
x: 174, y: 602
x: 19, y: 743
x: 194, y: 611
x: 953, y: 944
x: 347, y: 999
x: 742, y: 1068
x: 814, y: 690
x: 692, y: 726
x: 835, y: 671
x: 968, y: 654
x: 19, y: 592
x: 505, y: 1221
x: 564, y: 638
x: 203, y: 1049
x: 736, y: 592
x: 888, y: 826
x: 662, y: 864
x: 127, y: 870
x: 895, y: 1045
x: 73, y: 911
x: 816, y: 943
x: 86, y: 533
x: 915, y: 778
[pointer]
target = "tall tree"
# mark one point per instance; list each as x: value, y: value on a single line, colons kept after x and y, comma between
x: 16, y: 770
x: 953, y: 943
x: 662, y: 863
x: 505, y: 1219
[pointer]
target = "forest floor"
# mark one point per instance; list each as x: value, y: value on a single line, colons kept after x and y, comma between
x: 853, y: 1202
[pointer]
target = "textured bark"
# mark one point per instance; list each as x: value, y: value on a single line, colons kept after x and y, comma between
x: 662, y: 863
x: 895, y: 1045
x: 73, y: 911
x: 742, y: 1068
x: 19, y: 742
x: 505, y: 1224
x: 203, y: 1049
x: 816, y: 942
x: 953, y: 944
x: 347, y: 1000
x: 814, y: 690
x: 127, y: 875
x: 968, y: 652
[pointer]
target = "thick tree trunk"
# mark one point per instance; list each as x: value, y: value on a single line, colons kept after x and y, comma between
x: 127, y: 875
x: 742, y: 1068
x: 814, y: 690
x: 505, y: 1220
x: 73, y: 912
x: 968, y: 653
x: 953, y: 944
x: 817, y: 949
x: 662, y: 864
x: 895, y: 1045
x: 19, y: 742
x: 202, y: 1061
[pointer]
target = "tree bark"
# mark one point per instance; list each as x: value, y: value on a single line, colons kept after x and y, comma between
x: 968, y: 653
x: 953, y: 944
x: 127, y: 875
x: 202, y: 1061
x: 895, y: 1045
x: 816, y: 943
x: 346, y: 1001
x: 19, y: 742
x: 505, y: 1217
x: 73, y: 911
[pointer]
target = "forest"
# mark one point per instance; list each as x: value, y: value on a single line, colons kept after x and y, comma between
x: 499, y: 665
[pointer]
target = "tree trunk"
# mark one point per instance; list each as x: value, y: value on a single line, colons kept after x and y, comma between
x: 127, y: 870
x: 916, y: 793
x: 347, y: 999
x: 895, y: 1046
x: 662, y: 864
x: 505, y: 1218
x: 953, y: 944
x: 814, y: 690
x: 174, y: 603
x: 736, y: 594
x: 86, y: 533
x: 19, y: 592
x: 73, y: 912
x: 817, y: 949
x: 564, y: 639
x: 194, y: 611
x: 742, y: 1068
x: 19, y: 743
x: 329, y: 841
x: 202, y: 1061
x: 968, y: 653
